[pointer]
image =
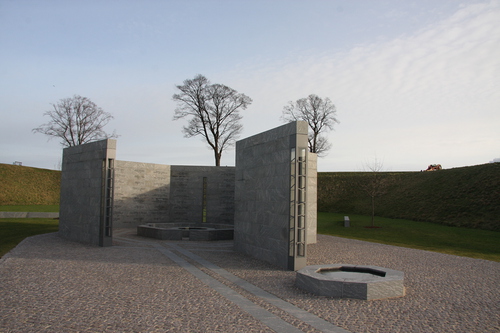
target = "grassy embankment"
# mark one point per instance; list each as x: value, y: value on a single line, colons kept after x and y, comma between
x: 459, y: 202
x: 25, y: 189
x: 462, y: 197
x: 28, y: 186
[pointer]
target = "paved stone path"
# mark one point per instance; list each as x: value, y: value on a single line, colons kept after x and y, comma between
x: 48, y: 284
x: 32, y: 215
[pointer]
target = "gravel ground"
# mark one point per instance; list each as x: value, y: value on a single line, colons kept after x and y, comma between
x: 48, y: 284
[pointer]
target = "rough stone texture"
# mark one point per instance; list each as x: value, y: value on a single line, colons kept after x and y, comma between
x: 80, y: 216
x: 178, y: 231
x: 366, y: 287
x: 50, y: 284
x: 155, y: 193
x: 187, y: 194
x: 441, y: 295
x: 60, y: 286
x: 142, y: 193
x: 158, y: 233
x: 211, y: 234
x: 312, y: 197
x: 262, y: 193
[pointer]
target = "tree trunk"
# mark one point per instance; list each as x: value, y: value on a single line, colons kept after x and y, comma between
x: 217, y: 158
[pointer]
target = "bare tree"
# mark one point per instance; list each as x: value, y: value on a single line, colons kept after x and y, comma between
x: 320, y: 115
x: 76, y: 121
x: 214, y: 111
x: 376, y: 184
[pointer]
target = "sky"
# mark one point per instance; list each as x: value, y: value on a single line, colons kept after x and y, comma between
x: 414, y: 82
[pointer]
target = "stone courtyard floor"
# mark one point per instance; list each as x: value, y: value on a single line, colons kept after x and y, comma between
x: 48, y: 284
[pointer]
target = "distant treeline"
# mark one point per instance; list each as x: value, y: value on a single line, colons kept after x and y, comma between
x: 465, y: 197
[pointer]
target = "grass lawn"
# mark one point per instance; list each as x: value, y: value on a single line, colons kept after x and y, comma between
x: 466, y: 242
x: 13, y: 231
x: 30, y: 208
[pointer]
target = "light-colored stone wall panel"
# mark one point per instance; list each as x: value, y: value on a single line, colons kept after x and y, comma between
x: 187, y: 194
x: 312, y: 198
x: 142, y: 193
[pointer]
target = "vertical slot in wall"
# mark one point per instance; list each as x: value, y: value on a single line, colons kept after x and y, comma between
x: 204, y: 201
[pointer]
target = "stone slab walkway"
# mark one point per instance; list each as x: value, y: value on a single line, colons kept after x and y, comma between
x: 48, y: 284
x: 10, y: 215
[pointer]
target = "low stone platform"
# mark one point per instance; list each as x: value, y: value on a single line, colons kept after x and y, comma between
x: 351, y: 281
x: 192, y: 231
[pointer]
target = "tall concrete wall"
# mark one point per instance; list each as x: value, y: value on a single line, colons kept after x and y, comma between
x: 155, y: 193
x: 194, y: 188
x: 266, y: 195
x: 142, y: 194
x: 83, y: 192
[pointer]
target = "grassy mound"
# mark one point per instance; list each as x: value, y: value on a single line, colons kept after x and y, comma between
x: 22, y: 185
x: 462, y: 197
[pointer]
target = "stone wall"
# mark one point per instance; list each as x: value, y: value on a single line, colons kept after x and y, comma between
x: 155, y: 193
x: 266, y: 196
x: 142, y: 193
x: 83, y: 192
x: 270, y: 196
x: 202, y: 194
x: 312, y: 198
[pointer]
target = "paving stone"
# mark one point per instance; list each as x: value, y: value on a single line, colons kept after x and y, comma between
x: 48, y: 284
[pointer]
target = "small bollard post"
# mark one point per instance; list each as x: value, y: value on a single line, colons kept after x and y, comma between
x: 347, y: 222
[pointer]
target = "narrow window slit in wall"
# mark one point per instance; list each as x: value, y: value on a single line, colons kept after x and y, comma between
x: 110, y: 179
x: 107, y: 193
x: 204, y: 201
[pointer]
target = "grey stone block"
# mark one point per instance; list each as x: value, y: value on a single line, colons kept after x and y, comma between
x: 42, y: 215
x: 178, y: 231
x: 354, y: 281
x: 166, y: 193
x: 262, y: 192
x: 81, y: 190
x: 10, y: 215
x: 163, y: 234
